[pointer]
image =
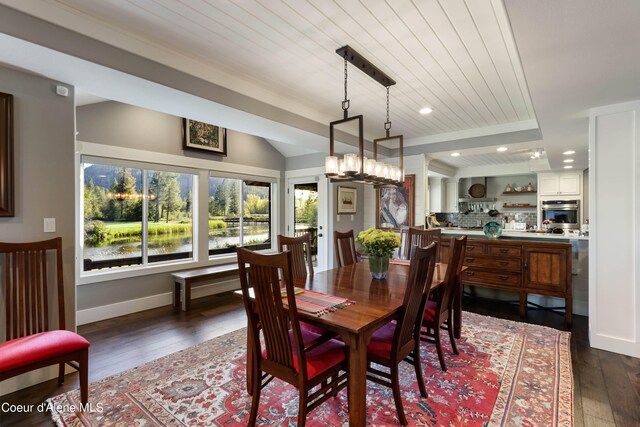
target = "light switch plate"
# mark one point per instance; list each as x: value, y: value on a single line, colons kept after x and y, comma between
x: 49, y: 225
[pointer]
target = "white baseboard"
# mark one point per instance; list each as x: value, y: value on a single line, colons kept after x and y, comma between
x: 614, y: 344
x: 109, y: 311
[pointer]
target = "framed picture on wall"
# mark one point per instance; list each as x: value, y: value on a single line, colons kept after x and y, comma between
x: 204, y: 137
x: 347, y: 200
x: 395, y: 205
x: 7, y: 196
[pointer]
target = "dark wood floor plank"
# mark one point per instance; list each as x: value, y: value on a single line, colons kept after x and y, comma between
x: 624, y: 401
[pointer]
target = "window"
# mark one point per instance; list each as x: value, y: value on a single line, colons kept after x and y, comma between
x: 239, y: 215
x: 136, y: 216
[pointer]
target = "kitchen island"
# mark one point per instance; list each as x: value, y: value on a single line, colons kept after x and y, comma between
x: 540, y: 264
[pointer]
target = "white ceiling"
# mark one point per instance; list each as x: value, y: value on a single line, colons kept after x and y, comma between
x: 458, y: 57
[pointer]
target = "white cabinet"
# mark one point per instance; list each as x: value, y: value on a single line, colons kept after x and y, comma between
x: 451, y: 196
x: 566, y: 184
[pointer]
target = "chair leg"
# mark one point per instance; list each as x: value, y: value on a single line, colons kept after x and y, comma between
x: 255, y: 394
x: 395, y: 386
x: 302, y: 409
x: 451, y: 335
x: 84, y: 376
x: 418, y: 367
x: 436, y: 334
x: 60, y: 374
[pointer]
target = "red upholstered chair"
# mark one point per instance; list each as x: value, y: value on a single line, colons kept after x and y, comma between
x: 301, y: 358
x: 301, y: 262
x: 441, y: 310
x: 345, y: 248
x: 30, y: 342
x: 300, y: 248
x: 400, y: 340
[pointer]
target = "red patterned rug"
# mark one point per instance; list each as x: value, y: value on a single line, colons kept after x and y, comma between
x: 507, y: 373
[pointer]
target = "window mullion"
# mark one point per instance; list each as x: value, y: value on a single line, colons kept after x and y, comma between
x: 241, y: 213
x: 145, y: 217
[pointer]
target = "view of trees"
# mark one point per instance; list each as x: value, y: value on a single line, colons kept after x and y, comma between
x: 307, y: 208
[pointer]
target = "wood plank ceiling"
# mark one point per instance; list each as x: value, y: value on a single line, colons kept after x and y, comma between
x: 457, y: 57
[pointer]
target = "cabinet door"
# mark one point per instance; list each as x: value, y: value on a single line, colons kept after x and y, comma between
x: 569, y: 184
x: 451, y: 191
x: 547, y: 268
x: 548, y: 185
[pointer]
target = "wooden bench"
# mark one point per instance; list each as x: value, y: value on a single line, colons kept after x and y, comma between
x: 184, y: 280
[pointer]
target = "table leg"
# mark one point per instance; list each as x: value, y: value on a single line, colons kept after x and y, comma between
x: 358, y: 379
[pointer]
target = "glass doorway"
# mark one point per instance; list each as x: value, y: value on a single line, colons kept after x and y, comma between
x: 305, y: 214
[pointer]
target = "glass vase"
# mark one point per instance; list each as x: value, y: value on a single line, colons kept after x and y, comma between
x: 378, y: 266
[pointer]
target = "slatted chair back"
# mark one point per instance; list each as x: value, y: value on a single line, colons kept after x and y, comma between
x: 300, y: 248
x: 419, y: 281
x: 26, y: 287
x: 345, y: 248
x: 268, y: 274
x: 422, y: 238
x: 452, y: 276
x: 405, y: 249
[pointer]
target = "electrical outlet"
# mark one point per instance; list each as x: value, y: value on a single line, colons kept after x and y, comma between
x: 49, y: 225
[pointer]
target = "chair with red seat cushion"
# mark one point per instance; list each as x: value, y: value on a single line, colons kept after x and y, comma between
x: 400, y: 340
x: 441, y: 310
x: 31, y: 344
x: 301, y: 265
x: 302, y: 359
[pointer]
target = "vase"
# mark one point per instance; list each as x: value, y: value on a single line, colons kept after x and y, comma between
x: 378, y: 266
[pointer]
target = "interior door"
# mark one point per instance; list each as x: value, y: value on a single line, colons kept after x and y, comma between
x: 304, y: 197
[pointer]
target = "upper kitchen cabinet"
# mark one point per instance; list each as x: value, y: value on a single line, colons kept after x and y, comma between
x: 451, y: 196
x: 563, y: 184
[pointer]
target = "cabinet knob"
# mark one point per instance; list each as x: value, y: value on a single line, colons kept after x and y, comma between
x: 470, y: 247
x: 526, y: 266
x: 470, y: 273
x: 504, y: 251
x: 470, y: 259
x: 504, y: 262
x: 504, y: 278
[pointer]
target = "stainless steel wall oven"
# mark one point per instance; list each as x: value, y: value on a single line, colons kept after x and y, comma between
x: 561, y: 213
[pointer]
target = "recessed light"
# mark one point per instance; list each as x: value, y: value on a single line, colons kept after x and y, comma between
x: 568, y: 160
x: 568, y: 167
x: 456, y: 154
x: 425, y: 110
x: 566, y: 153
x: 501, y: 149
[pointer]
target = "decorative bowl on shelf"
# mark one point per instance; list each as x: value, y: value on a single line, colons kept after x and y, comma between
x: 492, y: 230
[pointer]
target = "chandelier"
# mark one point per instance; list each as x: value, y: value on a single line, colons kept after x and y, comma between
x: 357, y: 167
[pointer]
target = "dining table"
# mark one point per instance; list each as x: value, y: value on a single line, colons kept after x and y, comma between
x: 375, y: 303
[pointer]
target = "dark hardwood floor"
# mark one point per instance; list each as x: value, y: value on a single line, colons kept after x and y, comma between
x: 607, y: 385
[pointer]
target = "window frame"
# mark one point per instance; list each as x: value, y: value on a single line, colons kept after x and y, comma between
x: 202, y: 168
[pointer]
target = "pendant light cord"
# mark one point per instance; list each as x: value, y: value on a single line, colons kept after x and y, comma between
x: 345, y: 103
x: 387, y: 124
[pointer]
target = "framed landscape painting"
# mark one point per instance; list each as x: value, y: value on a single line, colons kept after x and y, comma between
x: 205, y: 137
x: 347, y: 200
x: 395, y: 205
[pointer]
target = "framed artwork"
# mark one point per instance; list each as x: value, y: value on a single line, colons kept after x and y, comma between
x: 347, y: 200
x: 204, y: 137
x: 7, y: 197
x: 394, y: 205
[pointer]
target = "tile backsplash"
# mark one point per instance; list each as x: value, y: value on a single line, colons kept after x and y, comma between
x: 474, y: 219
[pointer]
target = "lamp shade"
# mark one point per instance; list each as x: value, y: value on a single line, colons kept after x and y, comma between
x: 331, y: 166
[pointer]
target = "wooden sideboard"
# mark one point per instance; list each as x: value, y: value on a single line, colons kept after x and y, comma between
x: 522, y: 266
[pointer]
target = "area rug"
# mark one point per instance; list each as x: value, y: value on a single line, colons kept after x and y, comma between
x: 508, y: 373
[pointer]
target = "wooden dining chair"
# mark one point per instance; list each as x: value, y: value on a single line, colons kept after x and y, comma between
x: 400, y: 340
x: 440, y: 311
x: 30, y: 341
x: 345, y: 248
x: 300, y: 248
x: 301, y: 358
x: 421, y: 238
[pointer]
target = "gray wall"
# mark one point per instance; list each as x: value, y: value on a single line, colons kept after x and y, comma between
x: 44, y: 168
x: 44, y: 179
x: 114, y: 123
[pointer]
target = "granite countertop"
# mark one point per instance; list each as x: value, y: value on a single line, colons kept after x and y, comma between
x: 512, y: 234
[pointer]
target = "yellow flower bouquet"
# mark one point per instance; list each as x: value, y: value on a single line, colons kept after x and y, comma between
x: 378, y: 243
